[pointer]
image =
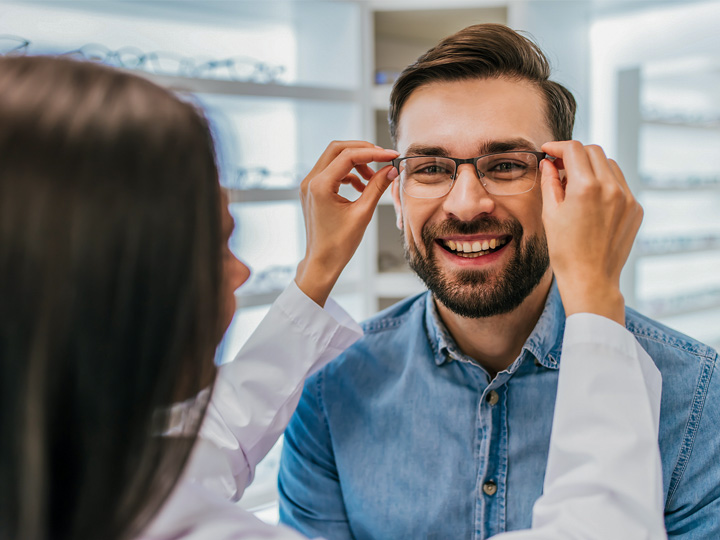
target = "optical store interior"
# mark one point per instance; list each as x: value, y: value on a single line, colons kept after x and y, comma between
x: 281, y: 79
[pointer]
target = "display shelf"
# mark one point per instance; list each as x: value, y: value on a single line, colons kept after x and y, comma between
x: 669, y: 245
x: 262, y: 195
x: 681, y: 304
x: 251, y: 89
x: 665, y: 153
x: 680, y: 122
x: 680, y: 185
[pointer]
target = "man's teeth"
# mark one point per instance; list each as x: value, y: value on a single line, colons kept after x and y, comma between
x: 474, y: 249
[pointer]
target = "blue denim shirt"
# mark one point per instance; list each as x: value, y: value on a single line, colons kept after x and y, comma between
x: 403, y: 436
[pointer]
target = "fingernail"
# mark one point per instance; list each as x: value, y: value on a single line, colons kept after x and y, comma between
x: 391, y: 150
x: 379, y: 147
x: 392, y: 174
x: 542, y: 164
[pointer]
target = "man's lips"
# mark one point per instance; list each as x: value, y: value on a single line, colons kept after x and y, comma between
x: 473, y: 246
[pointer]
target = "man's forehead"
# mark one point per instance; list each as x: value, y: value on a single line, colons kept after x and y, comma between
x: 490, y: 114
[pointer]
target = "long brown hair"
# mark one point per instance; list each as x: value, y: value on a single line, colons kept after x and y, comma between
x: 486, y: 51
x: 110, y: 272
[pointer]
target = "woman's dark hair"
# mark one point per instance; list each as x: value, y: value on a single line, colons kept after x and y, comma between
x: 110, y: 275
x: 486, y: 51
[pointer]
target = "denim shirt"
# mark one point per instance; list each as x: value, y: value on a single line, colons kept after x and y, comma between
x: 404, y: 436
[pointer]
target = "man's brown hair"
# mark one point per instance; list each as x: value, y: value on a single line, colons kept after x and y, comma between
x: 485, y: 51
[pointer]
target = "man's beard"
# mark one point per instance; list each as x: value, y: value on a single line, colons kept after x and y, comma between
x: 480, y: 293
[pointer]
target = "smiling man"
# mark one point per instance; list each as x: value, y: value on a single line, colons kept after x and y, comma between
x: 437, y: 423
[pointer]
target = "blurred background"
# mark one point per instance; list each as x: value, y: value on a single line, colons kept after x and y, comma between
x: 280, y: 79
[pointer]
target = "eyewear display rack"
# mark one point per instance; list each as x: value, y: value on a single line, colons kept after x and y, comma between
x: 277, y: 127
x: 260, y: 195
x: 668, y: 132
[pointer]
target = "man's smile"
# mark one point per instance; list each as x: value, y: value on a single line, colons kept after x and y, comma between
x: 474, y: 246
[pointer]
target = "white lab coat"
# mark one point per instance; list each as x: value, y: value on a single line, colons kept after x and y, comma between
x: 603, y: 479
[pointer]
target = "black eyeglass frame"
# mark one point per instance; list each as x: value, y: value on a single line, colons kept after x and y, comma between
x: 458, y: 161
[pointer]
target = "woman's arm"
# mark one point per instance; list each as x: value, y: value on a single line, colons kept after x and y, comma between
x: 255, y: 395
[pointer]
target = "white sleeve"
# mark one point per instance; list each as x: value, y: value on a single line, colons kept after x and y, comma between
x: 604, y: 476
x: 256, y: 394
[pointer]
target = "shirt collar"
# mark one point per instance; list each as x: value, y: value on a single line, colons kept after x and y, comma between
x: 544, y: 343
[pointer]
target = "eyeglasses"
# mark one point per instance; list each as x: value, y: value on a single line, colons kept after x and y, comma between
x: 240, y: 68
x: 503, y: 173
x: 13, y: 45
x: 263, y: 178
x: 126, y: 57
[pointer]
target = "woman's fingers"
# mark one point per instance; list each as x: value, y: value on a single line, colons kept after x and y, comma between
x: 590, y: 231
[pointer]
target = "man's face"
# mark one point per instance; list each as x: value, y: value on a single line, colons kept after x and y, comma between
x: 465, y: 119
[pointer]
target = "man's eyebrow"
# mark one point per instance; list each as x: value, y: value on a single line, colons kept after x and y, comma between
x: 508, y: 145
x: 489, y: 147
x: 422, y: 150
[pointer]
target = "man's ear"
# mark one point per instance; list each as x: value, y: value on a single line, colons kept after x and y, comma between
x: 396, y: 203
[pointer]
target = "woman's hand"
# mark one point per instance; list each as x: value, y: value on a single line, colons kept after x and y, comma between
x: 591, y: 219
x: 334, y: 225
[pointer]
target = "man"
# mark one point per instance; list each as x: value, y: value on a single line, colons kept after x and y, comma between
x: 436, y: 424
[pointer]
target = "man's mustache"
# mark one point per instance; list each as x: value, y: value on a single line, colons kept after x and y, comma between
x: 484, y: 225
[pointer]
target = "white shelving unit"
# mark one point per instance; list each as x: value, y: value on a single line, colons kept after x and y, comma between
x: 668, y: 132
x: 280, y: 127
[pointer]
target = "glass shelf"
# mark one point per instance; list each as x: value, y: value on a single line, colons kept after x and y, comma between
x: 678, y: 283
x: 671, y: 306
x: 262, y: 195
x: 680, y: 183
x: 679, y: 121
x: 250, y: 89
x: 671, y: 245
x: 281, y: 33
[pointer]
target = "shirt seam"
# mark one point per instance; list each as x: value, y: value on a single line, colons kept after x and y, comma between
x: 376, y: 326
x: 701, y: 352
x: 691, y: 428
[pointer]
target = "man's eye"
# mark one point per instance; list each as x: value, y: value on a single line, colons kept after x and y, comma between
x: 433, y: 169
x: 508, y: 166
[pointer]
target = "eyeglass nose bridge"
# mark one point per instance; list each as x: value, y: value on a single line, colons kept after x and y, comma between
x: 469, y: 161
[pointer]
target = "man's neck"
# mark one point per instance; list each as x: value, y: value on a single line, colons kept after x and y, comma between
x: 495, y: 342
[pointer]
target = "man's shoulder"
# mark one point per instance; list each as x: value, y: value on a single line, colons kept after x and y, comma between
x: 688, y: 412
x: 410, y: 309
x: 385, y: 339
x: 662, y: 340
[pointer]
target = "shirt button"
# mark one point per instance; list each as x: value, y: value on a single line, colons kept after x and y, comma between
x: 490, y: 488
x: 492, y: 397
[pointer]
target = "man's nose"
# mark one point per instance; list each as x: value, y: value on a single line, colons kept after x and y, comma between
x: 468, y: 199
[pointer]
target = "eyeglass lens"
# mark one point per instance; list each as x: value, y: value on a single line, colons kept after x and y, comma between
x: 508, y: 173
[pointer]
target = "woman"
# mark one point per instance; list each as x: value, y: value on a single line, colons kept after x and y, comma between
x: 117, y: 284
